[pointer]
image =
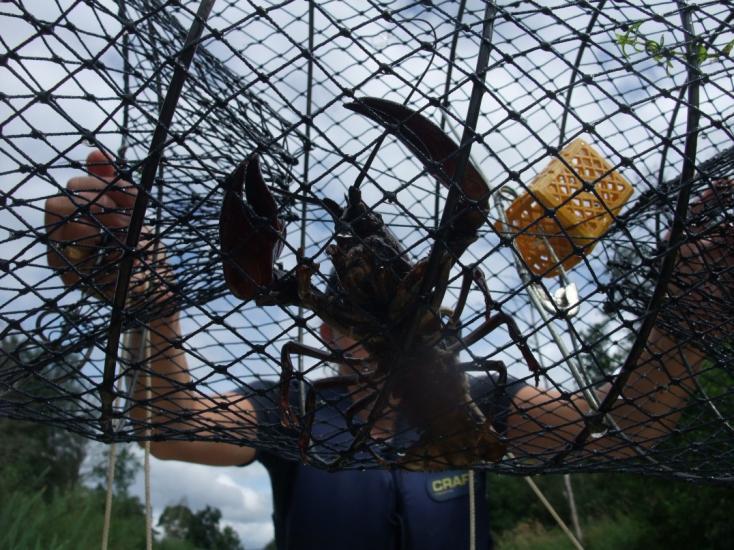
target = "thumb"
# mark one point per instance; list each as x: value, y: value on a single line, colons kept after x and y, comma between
x: 100, y: 164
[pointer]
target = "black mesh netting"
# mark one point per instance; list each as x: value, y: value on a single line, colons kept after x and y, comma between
x: 92, y: 345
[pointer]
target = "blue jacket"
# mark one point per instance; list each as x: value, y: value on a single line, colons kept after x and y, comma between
x: 372, y: 509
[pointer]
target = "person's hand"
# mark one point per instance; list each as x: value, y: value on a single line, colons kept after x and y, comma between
x: 87, y: 226
x: 702, y: 287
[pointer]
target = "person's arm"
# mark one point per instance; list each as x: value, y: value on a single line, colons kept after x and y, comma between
x: 652, y: 400
x: 179, y: 410
x: 544, y: 421
x: 73, y: 222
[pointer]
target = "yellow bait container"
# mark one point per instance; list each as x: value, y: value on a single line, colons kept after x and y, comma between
x: 561, y: 212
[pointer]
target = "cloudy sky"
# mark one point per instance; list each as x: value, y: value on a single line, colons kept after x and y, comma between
x: 520, y: 116
x: 242, y: 494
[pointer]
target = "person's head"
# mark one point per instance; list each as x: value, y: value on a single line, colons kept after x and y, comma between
x: 337, y: 341
x: 334, y: 338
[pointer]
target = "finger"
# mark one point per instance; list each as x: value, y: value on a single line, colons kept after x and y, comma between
x: 67, y: 217
x: 713, y: 201
x: 122, y: 192
x: 102, y: 170
x: 100, y: 164
x: 90, y: 184
x: 90, y: 195
x: 71, y: 208
x: 113, y: 195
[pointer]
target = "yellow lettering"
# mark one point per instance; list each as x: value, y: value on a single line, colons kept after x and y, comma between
x: 446, y: 483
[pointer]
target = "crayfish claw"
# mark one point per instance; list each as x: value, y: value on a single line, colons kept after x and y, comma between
x: 333, y: 208
x: 440, y: 154
x: 250, y: 232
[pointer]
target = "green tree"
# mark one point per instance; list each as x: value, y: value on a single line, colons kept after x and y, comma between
x: 43, y: 503
x: 35, y: 455
x: 599, y: 356
x: 511, y: 501
x: 127, y: 466
x: 200, y: 528
x: 175, y: 521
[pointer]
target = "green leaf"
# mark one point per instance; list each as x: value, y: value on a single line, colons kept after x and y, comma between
x: 702, y: 54
x: 624, y: 40
x: 654, y: 49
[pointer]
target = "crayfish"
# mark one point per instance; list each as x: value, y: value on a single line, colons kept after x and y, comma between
x: 413, y: 342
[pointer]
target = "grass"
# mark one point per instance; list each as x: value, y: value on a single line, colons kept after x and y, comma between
x: 603, y: 534
x: 63, y: 521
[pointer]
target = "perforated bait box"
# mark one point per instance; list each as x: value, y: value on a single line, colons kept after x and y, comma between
x: 557, y: 221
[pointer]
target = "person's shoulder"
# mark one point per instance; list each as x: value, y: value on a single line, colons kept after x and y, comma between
x: 483, y: 385
x: 267, y: 392
x: 495, y: 396
x: 265, y: 396
x: 256, y: 386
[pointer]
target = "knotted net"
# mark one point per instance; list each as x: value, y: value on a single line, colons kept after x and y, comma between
x: 649, y: 86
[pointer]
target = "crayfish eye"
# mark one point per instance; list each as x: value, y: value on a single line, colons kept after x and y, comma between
x: 344, y: 240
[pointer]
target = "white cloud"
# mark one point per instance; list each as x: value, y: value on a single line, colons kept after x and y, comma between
x: 255, y: 535
x: 242, y: 494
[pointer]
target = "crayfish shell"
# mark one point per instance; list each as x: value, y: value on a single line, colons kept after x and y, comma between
x: 464, y: 449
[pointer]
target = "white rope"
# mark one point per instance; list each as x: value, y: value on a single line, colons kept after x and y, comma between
x: 148, y: 507
x: 572, y: 506
x: 553, y: 513
x: 108, y: 498
x: 472, y: 513
x: 141, y: 353
x: 551, y: 510
x: 146, y: 460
